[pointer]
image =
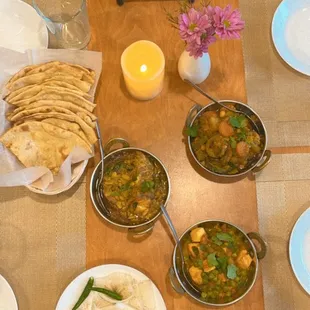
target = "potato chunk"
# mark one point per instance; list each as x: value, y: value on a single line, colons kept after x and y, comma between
x: 195, y: 274
x: 244, y: 260
x: 197, y: 234
x: 191, y: 251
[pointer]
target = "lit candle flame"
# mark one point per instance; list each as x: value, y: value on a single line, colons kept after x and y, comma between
x: 143, y: 68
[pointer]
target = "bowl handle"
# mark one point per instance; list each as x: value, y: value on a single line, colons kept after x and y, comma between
x: 266, y: 161
x: 110, y: 143
x: 263, y: 244
x: 194, y: 110
x: 142, y: 230
x: 174, y: 282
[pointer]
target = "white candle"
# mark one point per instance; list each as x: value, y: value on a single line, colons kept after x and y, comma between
x: 143, y: 65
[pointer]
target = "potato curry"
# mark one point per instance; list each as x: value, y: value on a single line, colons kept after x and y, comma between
x: 225, y: 142
x: 135, y: 185
x: 220, y: 261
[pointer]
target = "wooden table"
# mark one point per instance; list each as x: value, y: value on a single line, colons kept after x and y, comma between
x: 157, y: 126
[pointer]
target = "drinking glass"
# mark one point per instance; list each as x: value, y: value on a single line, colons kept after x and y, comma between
x: 67, y: 21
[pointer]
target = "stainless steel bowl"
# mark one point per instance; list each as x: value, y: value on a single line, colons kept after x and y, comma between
x: 256, y: 166
x: 179, y: 282
x: 134, y: 229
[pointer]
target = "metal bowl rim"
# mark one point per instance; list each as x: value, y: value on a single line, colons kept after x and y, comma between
x: 208, y: 303
x: 92, y: 180
x: 228, y: 175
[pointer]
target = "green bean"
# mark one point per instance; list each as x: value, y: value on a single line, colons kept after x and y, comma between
x: 85, y: 293
x: 109, y: 293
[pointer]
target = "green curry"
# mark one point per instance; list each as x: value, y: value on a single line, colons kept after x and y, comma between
x: 220, y: 261
x: 225, y: 142
x: 135, y: 185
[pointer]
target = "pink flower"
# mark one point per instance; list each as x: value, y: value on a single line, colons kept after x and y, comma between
x: 209, y: 11
x: 192, y: 25
x: 197, y: 50
x: 228, y: 23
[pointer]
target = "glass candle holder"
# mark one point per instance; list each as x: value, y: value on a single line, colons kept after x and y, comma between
x: 143, y: 66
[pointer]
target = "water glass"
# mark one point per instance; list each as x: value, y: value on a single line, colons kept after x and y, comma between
x: 67, y: 21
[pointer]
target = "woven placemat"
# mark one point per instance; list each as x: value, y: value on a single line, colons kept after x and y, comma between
x: 42, y: 244
x: 278, y: 93
x: 282, y: 196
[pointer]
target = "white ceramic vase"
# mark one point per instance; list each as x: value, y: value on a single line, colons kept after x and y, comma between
x: 195, y: 70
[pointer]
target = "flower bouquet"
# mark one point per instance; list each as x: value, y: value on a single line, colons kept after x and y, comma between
x: 199, y: 27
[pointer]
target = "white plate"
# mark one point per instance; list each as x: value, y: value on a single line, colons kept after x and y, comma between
x: 21, y: 27
x: 75, y: 288
x: 76, y: 175
x: 291, y: 33
x: 300, y: 250
x: 7, y: 297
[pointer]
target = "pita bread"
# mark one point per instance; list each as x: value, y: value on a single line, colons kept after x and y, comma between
x: 61, y: 84
x: 77, y: 70
x: 33, y: 90
x: 89, y: 131
x: 48, y: 109
x: 73, y: 70
x: 69, y: 126
x: 20, y: 74
x: 41, y: 144
x: 63, y: 95
x: 40, y: 78
x: 55, y: 103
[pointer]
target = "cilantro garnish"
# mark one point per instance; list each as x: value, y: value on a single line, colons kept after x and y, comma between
x: 216, y: 241
x: 212, y: 260
x: 224, y: 237
x: 147, y: 186
x: 239, y: 121
x: 231, y: 271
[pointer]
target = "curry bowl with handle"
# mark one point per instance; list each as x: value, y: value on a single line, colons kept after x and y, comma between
x: 222, y: 263
x: 224, y: 143
x: 141, y: 189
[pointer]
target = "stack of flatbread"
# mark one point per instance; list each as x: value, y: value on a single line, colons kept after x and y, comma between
x: 52, y: 113
x: 137, y: 295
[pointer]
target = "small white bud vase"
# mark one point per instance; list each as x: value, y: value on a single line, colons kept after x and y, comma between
x: 194, y: 70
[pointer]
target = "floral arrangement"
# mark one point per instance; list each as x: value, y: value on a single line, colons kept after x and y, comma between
x: 200, y: 27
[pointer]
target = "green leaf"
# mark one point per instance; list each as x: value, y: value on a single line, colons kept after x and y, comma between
x: 114, y: 194
x: 233, y: 142
x: 239, y: 121
x: 223, y: 263
x: 241, y: 136
x: 212, y: 260
x: 146, y: 186
x: 224, y: 237
x: 192, y: 131
x: 231, y: 271
x: 216, y: 241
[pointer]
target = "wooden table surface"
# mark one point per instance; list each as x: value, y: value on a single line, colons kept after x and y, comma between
x: 157, y: 126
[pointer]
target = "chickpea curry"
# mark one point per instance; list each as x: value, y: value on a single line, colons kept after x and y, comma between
x: 225, y: 142
x: 135, y: 185
x: 220, y: 261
